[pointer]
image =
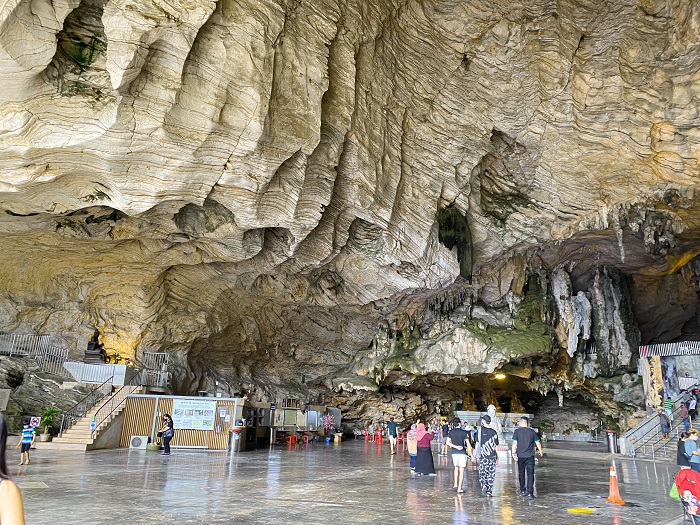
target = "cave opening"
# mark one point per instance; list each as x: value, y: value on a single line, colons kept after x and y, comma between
x: 453, y: 231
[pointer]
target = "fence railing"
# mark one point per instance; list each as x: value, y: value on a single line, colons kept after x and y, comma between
x: 49, y: 357
x: 86, y: 404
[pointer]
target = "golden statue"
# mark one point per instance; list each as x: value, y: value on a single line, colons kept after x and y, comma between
x: 491, y: 400
x: 468, y: 401
x: 515, y: 404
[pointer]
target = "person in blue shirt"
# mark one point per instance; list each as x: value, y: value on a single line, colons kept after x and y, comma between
x: 391, y: 428
x: 27, y: 442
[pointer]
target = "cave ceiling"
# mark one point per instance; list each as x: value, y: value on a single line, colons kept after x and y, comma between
x: 353, y: 200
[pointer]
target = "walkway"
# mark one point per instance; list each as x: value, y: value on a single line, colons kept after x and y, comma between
x: 350, y: 483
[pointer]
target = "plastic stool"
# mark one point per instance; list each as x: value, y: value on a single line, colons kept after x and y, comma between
x: 293, y: 439
x: 305, y: 438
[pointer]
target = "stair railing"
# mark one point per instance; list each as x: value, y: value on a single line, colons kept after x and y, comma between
x: 650, y: 431
x: 115, y: 401
x: 82, y: 407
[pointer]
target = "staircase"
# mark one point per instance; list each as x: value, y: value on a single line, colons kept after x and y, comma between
x: 79, y: 437
x: 647, y: 441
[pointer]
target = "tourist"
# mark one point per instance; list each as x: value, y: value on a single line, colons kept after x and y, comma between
x: 412, y: 446
x: 26, y: 442
x: 424, y: 456
x: 11, y: 507
x: 168, y: 432
x: 685, y: 416
x: 458, y: 441
x: 692, y: 406
x: 444, y: 431
x: 665, y: 423
x: 489, y: 456
x: 391, y: 430
x: 691, y: 450
x: 524, y: 442
x: 668, y: 408
x: 682, y: 458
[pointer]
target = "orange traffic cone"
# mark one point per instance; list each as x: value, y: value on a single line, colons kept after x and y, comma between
x: 614, y: 496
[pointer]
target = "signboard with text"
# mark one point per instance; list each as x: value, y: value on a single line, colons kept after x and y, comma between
x: 193, y: 414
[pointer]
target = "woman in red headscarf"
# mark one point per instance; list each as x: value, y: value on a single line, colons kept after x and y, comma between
x: 424, y: 458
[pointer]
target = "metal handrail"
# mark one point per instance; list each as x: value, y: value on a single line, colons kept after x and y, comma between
x: 83, y: 406
x: 115, y: 401
x: 651, y: 437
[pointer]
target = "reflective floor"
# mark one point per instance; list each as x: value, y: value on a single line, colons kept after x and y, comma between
x: 353, y: 482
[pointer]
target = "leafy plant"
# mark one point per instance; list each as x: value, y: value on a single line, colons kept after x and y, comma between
x: 47, y: 417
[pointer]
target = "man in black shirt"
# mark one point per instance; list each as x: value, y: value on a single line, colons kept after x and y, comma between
x: 525, y: 441
x: 458, y: 442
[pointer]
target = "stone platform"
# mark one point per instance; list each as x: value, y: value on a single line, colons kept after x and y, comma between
x: 348, y: 483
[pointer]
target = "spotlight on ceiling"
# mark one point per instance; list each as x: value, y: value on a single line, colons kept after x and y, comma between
x: 500, y: 376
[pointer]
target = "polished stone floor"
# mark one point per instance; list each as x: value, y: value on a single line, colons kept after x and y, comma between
x: 353, y: 482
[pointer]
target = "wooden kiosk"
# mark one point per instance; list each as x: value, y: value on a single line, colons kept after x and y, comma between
x: 215, y: 423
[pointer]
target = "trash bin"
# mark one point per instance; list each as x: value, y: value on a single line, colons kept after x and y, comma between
x: 236, y: 439
x: 612, y: 441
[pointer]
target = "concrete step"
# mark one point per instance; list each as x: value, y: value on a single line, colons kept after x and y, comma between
x: 68, y: 447
x: 72, y: 439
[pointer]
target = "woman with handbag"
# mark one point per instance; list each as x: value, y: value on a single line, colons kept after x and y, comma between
x: 168, y: 433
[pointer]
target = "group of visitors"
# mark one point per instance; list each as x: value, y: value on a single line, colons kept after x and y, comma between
x: 479, y: 445
x: 688, y: 411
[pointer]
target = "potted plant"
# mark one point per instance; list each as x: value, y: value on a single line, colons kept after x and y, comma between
x: 47, y: 421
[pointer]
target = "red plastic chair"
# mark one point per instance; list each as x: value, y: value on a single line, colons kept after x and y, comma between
x: 378, y: 436
x: 401, y: 438
x: 366, y: 434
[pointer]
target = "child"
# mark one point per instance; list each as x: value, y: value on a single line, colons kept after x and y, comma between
x: 26, y: 442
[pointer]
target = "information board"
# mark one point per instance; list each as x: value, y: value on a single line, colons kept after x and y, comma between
x: 193, y: 414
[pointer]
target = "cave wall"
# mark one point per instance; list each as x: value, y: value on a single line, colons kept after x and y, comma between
x: 260, y: 188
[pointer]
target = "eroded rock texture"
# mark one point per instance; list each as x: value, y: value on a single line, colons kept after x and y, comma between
x: 383, y: 201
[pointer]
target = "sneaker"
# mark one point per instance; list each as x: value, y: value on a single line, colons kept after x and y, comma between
x: 489, y: 495
x: 531, y: 496
x: 455, y: 489
x: 522, y: 492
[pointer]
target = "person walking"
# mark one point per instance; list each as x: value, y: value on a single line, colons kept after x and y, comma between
x: 168, y: 432
x: 489, y: 456
x: 391, y: 430
x: 685, y: 416
x: 692, y: 406
x: 26, y: 442
x: 668, y: 407
x: 665, y: 423
x: 424, y: 456
x: 525, y: 441
x: 412, y: 446
x: 691, y: 450
x: 682, y: 459
x: 11, y: 506
x: 444, y: 431
x: 457, y: 441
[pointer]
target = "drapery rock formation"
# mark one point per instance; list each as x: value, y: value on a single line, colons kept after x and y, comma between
x: 376, y: 203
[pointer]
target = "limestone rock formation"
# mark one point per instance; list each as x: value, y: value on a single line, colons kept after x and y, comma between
x: 354, y: 201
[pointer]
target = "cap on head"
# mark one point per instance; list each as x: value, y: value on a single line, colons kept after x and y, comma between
x: 486, y: 419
